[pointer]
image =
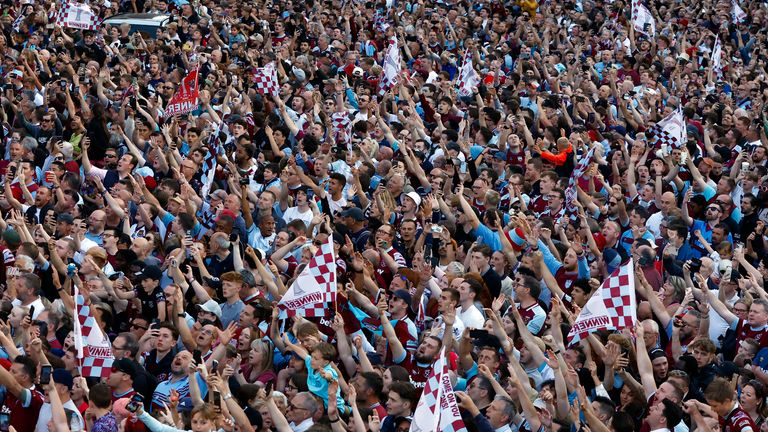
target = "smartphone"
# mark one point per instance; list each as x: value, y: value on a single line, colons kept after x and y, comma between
x: 45, y: 374
x: 198, y: 357
x: 71, y: 270
x: 478, y: 334
x: 133, y: 405
x: 216, y: 398
x: 31, y: 311
x: 155, y: 324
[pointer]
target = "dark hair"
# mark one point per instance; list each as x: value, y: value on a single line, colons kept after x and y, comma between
x: 131, y: 343
x: 168, y: 325
x: 373, y: 381
x: 29, y: 366
x: 406, y: 391
x: 399, y: 373
x: 100, y: 395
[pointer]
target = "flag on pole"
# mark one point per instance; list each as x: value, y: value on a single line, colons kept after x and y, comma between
x: 266, y: 80
x: 670, y: 131
x: 391, y: 68
x: 643, y: 21
x: 209, y: 161
x: 612, y: 307
x: 185, y: 99
x: 94, y: 351
x: 468, y: 77
x: 571, y: 193
x: 717, y: 57
x: 314, y: 290
x: 737, y: 13
x: 437, y: 409
x: 78, y: 16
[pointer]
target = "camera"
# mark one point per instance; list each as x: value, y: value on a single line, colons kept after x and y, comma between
x: 695, y: 265
x: 244, y: 181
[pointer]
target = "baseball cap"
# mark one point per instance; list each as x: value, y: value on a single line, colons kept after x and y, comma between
x: 355, y: 213
x: 212, y: 307
x: 124, y: 365
x: 213, y: 282
x: 500, y: 155
x: 151, y: 272
x: 63, y: 377
x: 66, y: 217
x: 404, y: 296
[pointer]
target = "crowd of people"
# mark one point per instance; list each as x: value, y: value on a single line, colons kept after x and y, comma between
x: 459, y: 229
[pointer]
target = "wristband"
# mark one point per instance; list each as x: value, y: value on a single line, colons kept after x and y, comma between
x: 181, y: 315
x: 335, y: 421
x: 227, y: 396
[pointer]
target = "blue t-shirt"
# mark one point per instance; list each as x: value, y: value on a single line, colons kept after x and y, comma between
x: 319, y: 386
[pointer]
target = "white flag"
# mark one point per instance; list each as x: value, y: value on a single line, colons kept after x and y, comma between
x: 737, y: 13
x: 468, y: 78
x: 717, y: 57
x: 391, y: 68
x: 643, y: 21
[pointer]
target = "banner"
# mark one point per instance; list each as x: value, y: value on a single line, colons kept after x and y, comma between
x: 185, y: 99
x: 437, y: 410
x: 77, y: 16
x: 643, y: 21
x: 717, y: 58
x: 314, y: 290
x: 468, y: 77
x: 737, y: 13
x: 94, y: 351
x: 391, y: 68
x: 612, y: 307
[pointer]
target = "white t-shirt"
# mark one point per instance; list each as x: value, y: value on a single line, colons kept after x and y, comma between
x: 472, y: 317
x: 75, y: 425
x: 293, y: 213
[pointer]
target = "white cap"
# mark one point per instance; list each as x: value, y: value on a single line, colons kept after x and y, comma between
x: 415, y: 197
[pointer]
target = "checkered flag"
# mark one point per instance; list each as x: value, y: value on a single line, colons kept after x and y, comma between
x: 468, y: 77
x: 266, y: 80
x: 670, y: 131
x: 612, y: 307
x: 342, y: 129
x: 94, y: 351
x: 23, y: 13
x: 437, y: 409
x: 391, y: 68
x: 314, y: 290
x: 209, y: 162
x: 78, y: 16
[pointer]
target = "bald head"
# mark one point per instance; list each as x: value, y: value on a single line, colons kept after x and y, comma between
x: 667, y: 202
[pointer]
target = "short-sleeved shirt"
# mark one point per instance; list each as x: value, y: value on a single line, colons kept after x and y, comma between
x: 149, y: 302
x: 25, y: 409
x: 738, y: 421
x: 319, y: 386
